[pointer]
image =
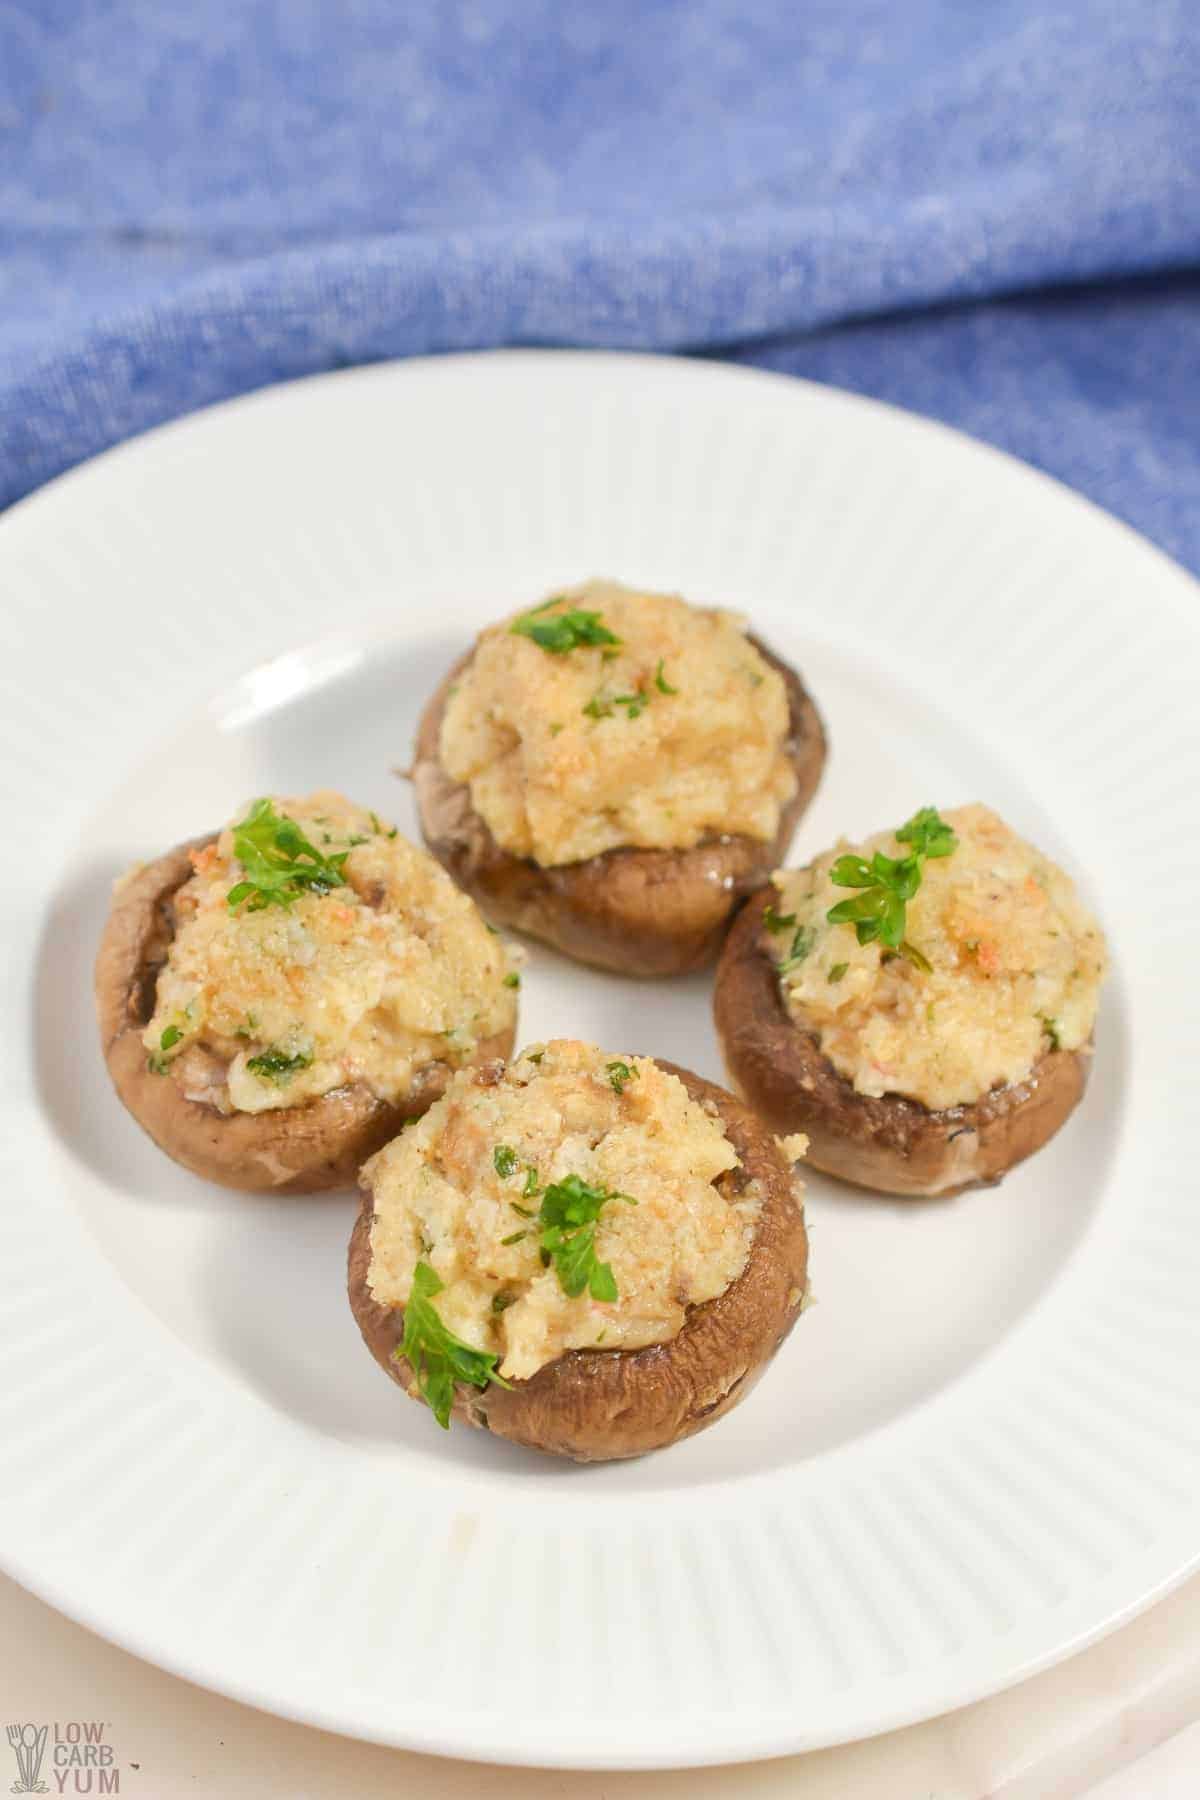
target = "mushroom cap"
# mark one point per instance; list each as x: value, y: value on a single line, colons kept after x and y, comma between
x: 890, y: 1143
x: 599, y: 1405
x: 288, y: 1150
x: 639, y: 912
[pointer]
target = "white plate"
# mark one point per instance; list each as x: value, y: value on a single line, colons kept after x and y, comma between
x: 982, y: 1446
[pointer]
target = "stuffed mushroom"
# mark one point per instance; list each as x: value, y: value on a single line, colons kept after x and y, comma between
x: 589, y: 1254
x: 921, y: 1005
x: 276, y: 999
x: 612, y: 771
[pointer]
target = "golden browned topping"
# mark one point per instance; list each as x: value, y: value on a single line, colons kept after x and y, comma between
x: 315, y: 947
x: 566, y: 1202
x: 611, y: 717
x: 1015, y: 963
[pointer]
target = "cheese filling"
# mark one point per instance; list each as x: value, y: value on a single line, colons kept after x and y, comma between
x: 675, y: 733
x: 462, y: 1189
x: 388, y: 972
x: 1016, y: 961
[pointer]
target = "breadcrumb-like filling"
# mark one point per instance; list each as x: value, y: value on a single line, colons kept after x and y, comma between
x: 676, y: 732
x: 1016, y: 959
x: 460, y: 1190
x: 386, y: 973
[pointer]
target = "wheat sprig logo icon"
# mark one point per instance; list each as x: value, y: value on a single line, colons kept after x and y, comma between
x: 28, y: 1746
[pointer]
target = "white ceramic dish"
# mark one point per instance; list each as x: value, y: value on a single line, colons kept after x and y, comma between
x: 979, y: 1450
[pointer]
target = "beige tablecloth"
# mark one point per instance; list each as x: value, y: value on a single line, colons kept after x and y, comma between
x: 1049, y: 1739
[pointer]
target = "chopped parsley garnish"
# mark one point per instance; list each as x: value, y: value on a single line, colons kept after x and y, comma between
x: 777, y: 921
x: 512, y: 979
x: 280, y: 862
x: 568, y: 630
x: 568, y: 1215
x: 837, y: 971
x: 618, y: 1074
x: 502, y: 1302
x: 277, y: 1066
x: 437, y: 1358
x: 803, y: 940
x: 1052, y: 1030
x: 661, y: 682
x: 887, y: 884
x: 530, y: 1188
x: 158, y: 1062
x: 514, y: 1237
x: 380, y: 829
x: 929, y: 834
x: 601, y: 705
x: 504, y: 1160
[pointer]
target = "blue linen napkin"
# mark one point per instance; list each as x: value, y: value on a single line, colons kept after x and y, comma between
x: 200, y: 199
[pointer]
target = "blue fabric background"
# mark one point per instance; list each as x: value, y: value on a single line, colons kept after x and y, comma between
x: 983, y: 209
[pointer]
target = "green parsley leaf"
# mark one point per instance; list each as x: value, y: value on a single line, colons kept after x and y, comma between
x: 661, y: 682
x: 618, y: 1074
x: 170, y: 1037
x: 568, y: 1215
x: 1052, y: 1031
x: 280, y: 862
x: 514, y: 1237
x: 512, y: 979
x: 531, y: 1183
x: 928, y: 833
x: 504, y: 1160
x: 576, y: 1264
x: 277, y: 1066
x: 502, y: 1302
x: 573, y: 1201
x: 837, y: 971
x: 887, y: 884
x: 437, y: 1358
x: 565, y: 631
x: 777, y: 921
x: 802, y: 942
x: 916, y: 957
x: 601, y: 705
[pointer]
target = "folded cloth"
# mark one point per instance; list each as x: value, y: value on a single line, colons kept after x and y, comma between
x: 199, y: 200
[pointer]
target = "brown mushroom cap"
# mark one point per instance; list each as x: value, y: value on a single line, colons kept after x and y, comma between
x: 640, y: 912
x: 288, y: 1150
x: 598, y: 1405
x: 892, y: 1144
